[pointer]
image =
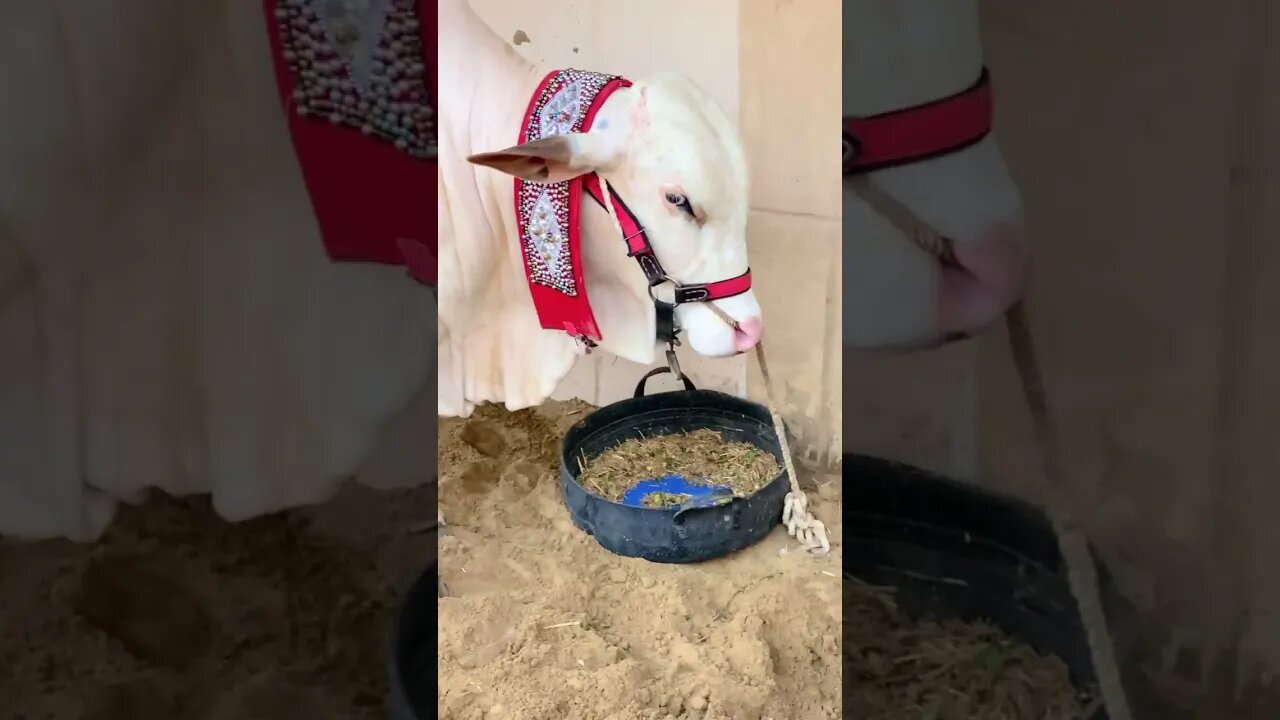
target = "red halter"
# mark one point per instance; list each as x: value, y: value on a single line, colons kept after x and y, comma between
x: 922, y: 132
x: 639, y: 248
x: 547, y: 215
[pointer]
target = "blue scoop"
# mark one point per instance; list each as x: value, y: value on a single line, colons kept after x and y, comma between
x: 699, y: 495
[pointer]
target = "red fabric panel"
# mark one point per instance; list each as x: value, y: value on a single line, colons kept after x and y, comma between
x: 371, y: 200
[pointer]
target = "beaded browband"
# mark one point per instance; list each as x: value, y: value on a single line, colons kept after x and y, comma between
x: 547, y: 215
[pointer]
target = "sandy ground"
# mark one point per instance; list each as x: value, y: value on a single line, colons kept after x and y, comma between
x: 542, y: 622
x: 178, y: 614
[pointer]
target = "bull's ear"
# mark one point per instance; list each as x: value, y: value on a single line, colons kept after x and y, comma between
x: 553, y: 159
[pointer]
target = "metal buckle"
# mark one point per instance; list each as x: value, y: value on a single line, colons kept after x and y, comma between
x: 690, y: 293
x: 666, y: 326
x: 655, y: 298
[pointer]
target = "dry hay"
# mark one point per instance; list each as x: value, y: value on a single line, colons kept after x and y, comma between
x: 921, y: 668
x: 702, y: 456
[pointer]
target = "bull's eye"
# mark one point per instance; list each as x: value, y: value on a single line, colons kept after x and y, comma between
x: 680, y: 201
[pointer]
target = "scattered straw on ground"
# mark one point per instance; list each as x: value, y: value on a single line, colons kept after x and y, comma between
x: 898, y: 667
x: 702, y: 456
x: 177, y: 614
x: 541, y: 623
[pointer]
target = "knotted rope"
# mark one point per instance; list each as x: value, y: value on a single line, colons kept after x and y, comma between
x: 808, y: 530
x: 1082, y: 573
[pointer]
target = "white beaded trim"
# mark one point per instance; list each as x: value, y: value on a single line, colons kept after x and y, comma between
x: 359, y: 63
x: 543, y: 208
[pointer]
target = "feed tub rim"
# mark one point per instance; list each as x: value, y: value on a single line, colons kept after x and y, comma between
x: 570, y: 461
x: 680, y: 534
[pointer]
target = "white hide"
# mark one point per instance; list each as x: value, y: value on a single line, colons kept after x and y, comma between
x: 663, y: 130
x: 168, y: 317
x: 892, y: 289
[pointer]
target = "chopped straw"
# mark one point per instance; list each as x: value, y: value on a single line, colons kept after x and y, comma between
x: 701, y: 456
x: 896, y: 666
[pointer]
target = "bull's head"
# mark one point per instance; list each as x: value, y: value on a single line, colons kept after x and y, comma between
x: 896, y: 295
x: 676, y: 159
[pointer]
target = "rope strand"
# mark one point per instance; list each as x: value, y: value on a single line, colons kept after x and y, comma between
x: 808, y: 530
x: 800, y: 522
x: 1082, y: 573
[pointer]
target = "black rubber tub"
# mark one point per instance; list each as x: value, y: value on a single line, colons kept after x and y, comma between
x: 412, y: 681
x: 692, y: 532
x: 954, y: 550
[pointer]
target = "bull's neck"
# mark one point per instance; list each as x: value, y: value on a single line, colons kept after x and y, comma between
x: 936, y: 47
x: 491, y: 86
x: 490, y: 82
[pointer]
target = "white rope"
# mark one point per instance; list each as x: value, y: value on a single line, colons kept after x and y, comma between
x: 801, y: 524
x: 608, y: 206
x: 1082, y: 575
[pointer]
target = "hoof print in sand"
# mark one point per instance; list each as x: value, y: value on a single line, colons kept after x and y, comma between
x: 484, y: 438
x: 144, y: 605
x: 523, y: 475
x: 480, y: 477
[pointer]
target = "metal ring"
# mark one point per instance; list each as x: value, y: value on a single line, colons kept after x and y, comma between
x: 850, y: 151
x: 655, y: 298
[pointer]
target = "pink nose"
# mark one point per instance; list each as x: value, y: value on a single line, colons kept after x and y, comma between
x: 990, y: 275
x: 748, y: 333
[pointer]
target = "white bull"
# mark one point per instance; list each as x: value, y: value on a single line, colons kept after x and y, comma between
x: 663, y: 144
x: 168, y: 316
x: 898, y: 55
x: 895, y: 296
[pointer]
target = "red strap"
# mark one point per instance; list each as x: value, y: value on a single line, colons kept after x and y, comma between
x: 639, y: 248
x: 717, y: 290
x: 632, y: 230
x: 633, y: 233
x: 918, y: 133
x: 366, y: 194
